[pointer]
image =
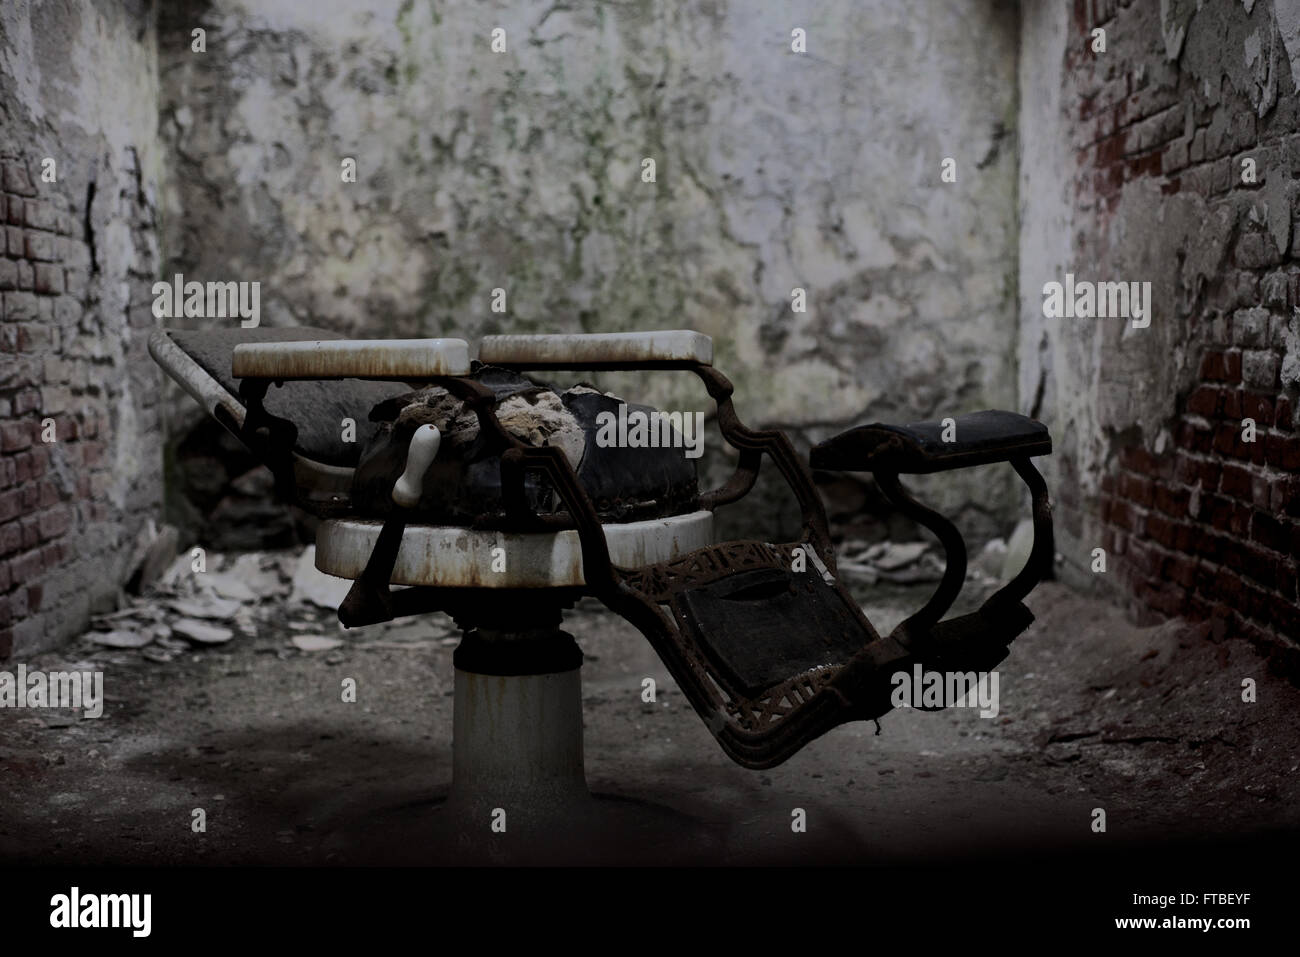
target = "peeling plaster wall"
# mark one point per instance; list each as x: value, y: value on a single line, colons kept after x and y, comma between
x: 78, y: 85
x: 522, y: 170
x: 1046, y: 380
x: 1132, y: 169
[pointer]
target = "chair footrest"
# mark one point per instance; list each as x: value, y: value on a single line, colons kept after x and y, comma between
x: 761, y: 627
x: 772, y: 658
x: 979, y: 438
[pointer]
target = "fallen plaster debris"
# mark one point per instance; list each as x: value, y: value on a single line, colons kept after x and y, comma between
x: 315, y: 643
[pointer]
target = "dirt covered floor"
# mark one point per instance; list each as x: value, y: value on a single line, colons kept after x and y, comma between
x: 234, y: 707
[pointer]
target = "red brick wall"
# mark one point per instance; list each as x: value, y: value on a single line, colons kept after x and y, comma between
x: 34, y: 514
x: 1203, y: 523
x: 68, y: 516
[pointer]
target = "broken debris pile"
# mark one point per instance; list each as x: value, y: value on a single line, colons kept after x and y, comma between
x: 915, y: 563
x: 212, y: 599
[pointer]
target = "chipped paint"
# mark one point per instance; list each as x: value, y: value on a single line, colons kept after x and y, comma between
x: 523, y: 172
x: 463, y: 558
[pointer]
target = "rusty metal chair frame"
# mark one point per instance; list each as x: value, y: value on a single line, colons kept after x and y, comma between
x: 757, y: 729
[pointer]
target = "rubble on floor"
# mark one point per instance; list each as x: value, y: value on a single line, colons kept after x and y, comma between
x: 1094, y: 712
x: 275, y: 599
x: 915, y: 563
x: 280, y: 602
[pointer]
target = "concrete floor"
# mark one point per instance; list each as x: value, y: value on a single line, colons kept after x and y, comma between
x: 1147, y: 724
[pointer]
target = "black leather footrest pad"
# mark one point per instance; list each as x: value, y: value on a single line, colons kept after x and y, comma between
x: 977, y: 439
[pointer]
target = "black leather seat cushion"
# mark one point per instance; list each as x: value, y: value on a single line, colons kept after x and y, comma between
x: 464, y: 485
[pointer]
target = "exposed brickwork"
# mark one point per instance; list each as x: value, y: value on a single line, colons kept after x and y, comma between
x: 1197, y: 520
x: 68, y: 408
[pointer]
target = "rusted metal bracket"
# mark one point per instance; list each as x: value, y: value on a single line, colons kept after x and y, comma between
x: 1002, y: 616
x: 752, y: 444
x: 370, y: 599
x: 269, y: 437
x: 954, y: 548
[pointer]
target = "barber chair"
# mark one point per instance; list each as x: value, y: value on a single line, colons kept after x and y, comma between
x: 476, y: 490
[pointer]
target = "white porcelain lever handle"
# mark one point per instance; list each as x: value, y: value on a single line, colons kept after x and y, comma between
x: 423, y: 448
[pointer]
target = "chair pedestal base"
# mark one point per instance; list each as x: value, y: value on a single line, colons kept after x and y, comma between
x: 516, y: 751
x: 518, y: 783
x: 519, y: 792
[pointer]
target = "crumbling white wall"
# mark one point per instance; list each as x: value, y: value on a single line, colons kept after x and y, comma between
x: 522, y: 170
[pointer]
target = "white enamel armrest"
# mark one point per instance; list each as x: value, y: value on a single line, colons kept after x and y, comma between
x: 351, y: 359
x: 604, y: 349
